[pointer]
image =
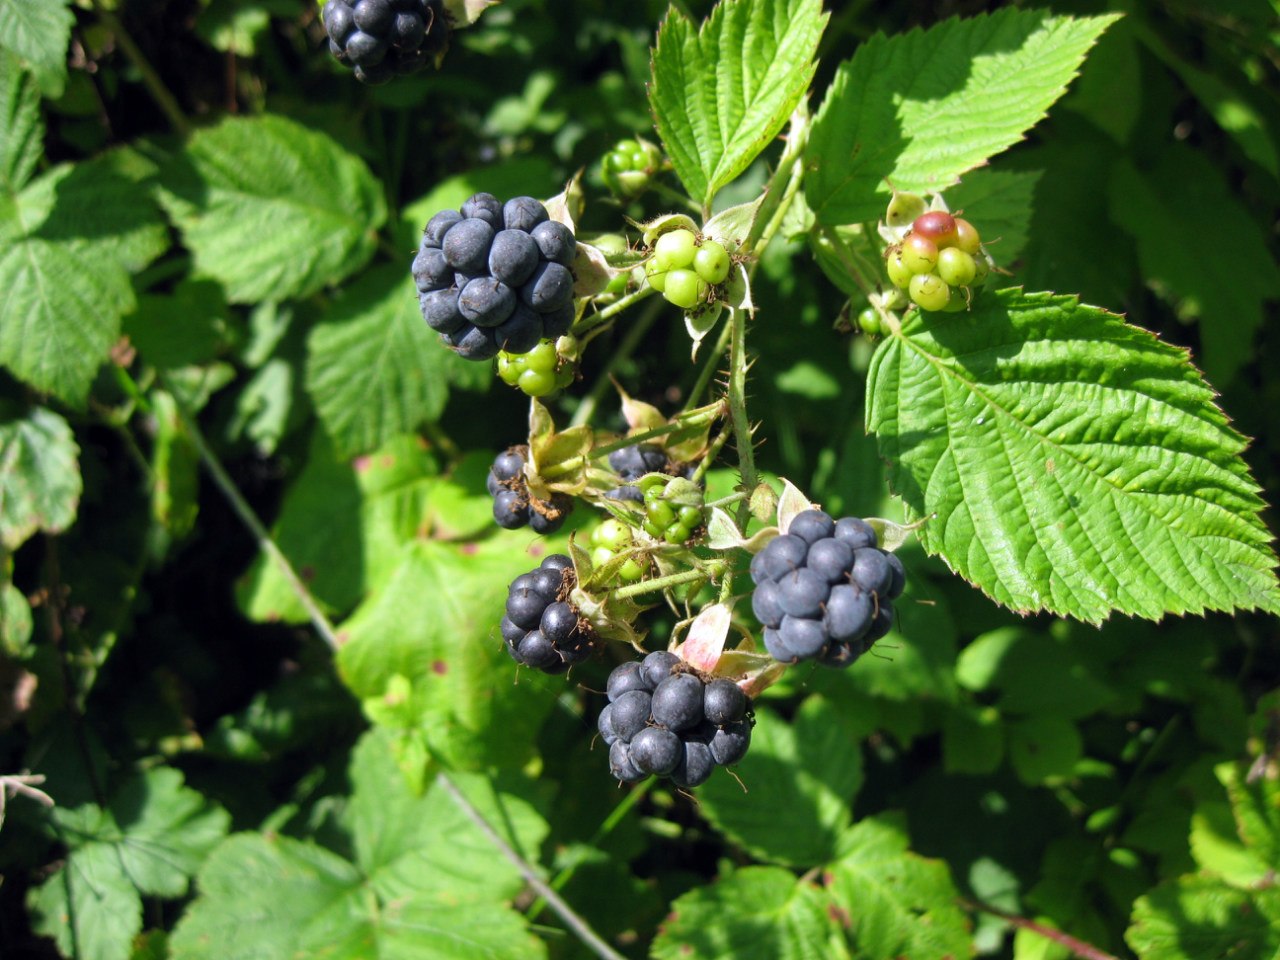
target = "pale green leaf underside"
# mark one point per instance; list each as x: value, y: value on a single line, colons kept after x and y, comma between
x: 921, y: 108
x: 1069, y: 462
x: 374, y: 369
x: 38, y: 32
x: 722, y: 93
x: 39, y: 477
x: 271, y: 209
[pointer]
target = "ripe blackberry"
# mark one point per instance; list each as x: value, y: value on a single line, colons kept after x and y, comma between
x: 824, y: 590
x: 381, y: 39
x: 541, y: 629
x: 513, y: 505
x: 494, y: 276
x: 669, y: 721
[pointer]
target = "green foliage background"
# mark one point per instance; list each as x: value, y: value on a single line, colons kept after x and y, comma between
x: 205, y: 231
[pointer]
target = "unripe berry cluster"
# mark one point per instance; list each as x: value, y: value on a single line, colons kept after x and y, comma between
x: 666, y: 521
x: 684, y: 269
x: 824, y: 590
x: 628, y: 167
x: 608, y: 540
x: 632, y: 463
x: 940, y: 262
x: 541, y: 628
x: 513, y: 505
x: 535, y: 372
x: 666, y: 720
x: 381, y: 39
x: 494, y: 276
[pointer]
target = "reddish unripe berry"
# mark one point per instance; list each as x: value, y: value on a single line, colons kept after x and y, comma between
x: 938, y: 225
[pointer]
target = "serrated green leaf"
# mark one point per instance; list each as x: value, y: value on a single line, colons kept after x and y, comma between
x: 374, y: 369
x: 89, y: 907
x: 38, y: 33
x: 429, y: 886
x: 318, y: 530
x: 67, y: 244
x: 436, y: 622
x: 422, y: 845
x: 1216, y: 847
x: 756, y: 913
x: 22, y: 136
x: 897, y: 904
x: 1255, y: 804
x: 40, y: 482
x: 1201, y: 918
x: 1168, y: 208
x: 721, y: 93
x: 1069, y: 462
x: 150, y: 840
x: 800, y: 779
x: 921, y: 108
x: 271, y: 209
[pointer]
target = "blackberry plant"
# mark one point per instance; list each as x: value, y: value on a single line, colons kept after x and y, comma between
x: 714, y: 492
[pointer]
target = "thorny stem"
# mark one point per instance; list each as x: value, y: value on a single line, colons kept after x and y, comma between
x: 165, y: 100
x: 569, y: 466
x: 1086, y: 951
x: 709, y: 368
x: 575, y: 923
x: 710, y: 457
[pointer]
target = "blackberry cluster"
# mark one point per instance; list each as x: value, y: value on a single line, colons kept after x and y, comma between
x: 513, y: 506
x: 666, y: 720
x: 632, y: 463
x: 941, y: 263
x: 382, y: 39
x: 541, y: 628
x: 824, y: 590
x: 494, y: 276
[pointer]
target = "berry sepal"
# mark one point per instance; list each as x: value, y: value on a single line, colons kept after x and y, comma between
x: 610, y: 617
x: 558, y: 461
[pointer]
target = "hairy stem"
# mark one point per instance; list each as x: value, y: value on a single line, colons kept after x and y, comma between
x: 321, y: 623
x: 660, y: 583
x: 1086, y: 951
x: 580, y: 928
x: 738, y: 406
x: 709, y: 368
x: 599, y: 319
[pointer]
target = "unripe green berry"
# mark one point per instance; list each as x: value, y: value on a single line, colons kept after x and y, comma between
x: 676, y: 533
x: 631, y: 571
x: 542, y: 357
x: 956, y: 267
x: 869, y: 322
x: 537, y: 383
x: 982, y: 267
x: 929, y: 291
x: 675, y: 249
x: 510, y: 368
x: 612, y: 533
x: 656, y: 274
x: 919, y: 254
x: 685, y: 289
x: 690, y: 517
x: 600, y: 556
x: 661, y: 513
x: 899, y: 275
x: 652, y: 529
x: 711, y: 262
